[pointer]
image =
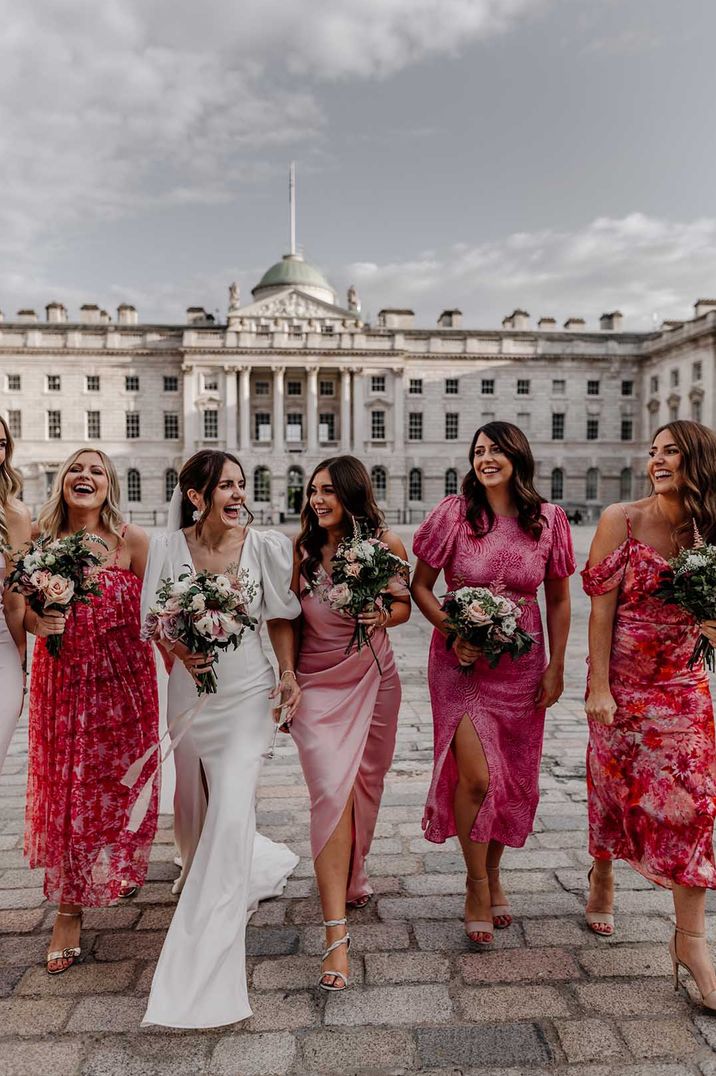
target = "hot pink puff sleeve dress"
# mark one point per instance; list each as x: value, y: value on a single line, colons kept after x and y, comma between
x: 499, y: 702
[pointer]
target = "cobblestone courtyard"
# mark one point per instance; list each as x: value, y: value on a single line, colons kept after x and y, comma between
x: 549, y: 997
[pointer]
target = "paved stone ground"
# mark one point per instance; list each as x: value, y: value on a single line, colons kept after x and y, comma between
x: 550, y: 997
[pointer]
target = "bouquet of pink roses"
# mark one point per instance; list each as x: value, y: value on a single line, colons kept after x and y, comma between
x: 204, y: 611
x: 55, y: 573
x: 487, y: 620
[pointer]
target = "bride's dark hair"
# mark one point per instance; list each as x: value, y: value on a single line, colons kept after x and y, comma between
x: 516, y: 447
x: 697, y: 445
x: 202, y: 472
x: 354, y: 490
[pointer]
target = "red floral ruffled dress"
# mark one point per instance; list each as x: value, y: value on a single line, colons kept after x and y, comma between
x: 93, y: 711
x: 651, y: 776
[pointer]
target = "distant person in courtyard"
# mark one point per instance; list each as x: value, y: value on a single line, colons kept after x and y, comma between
x: 651, y: 761
x: 200, y: 980
x: 14, y: 533
x: 93, y: 710
x: 346, y: 724
x: 489, y: 725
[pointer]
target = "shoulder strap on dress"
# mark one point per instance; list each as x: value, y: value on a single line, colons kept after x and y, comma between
x: 628, y: 521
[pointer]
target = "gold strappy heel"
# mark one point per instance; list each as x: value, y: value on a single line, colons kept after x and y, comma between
x: 345, y: 940
x: 708, y: 1000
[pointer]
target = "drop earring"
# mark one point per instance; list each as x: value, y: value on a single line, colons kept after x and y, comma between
x: 196, y: 515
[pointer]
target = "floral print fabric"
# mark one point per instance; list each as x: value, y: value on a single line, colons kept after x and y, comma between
x: 651, y: 775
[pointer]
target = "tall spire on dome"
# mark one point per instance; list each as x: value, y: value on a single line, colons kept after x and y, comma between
x: 292, y: 205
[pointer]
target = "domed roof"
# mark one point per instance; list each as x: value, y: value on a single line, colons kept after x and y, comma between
x: 293, y: 271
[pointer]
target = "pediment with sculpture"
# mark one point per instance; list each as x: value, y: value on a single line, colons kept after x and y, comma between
x: 291, y: 304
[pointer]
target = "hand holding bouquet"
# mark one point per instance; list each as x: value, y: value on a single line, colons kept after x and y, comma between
x: 363, y: 572
x: 206, y: 613
x: 487, y: 621
x: 691, y: 584
x: 53, y: 574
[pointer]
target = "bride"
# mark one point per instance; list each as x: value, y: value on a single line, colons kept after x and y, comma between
x: 200, y: 980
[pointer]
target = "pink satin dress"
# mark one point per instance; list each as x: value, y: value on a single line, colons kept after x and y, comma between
x: 344, y: 729
x: 10, y: 678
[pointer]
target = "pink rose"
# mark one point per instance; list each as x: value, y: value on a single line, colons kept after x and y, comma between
x: 169, y: 628
x: 39, y: 579
x: 150, y: 627
x: 354, y: 570
x: 477, y: 614
x: 351, y: 556
x: 58, y: 590
x: 339, y: 596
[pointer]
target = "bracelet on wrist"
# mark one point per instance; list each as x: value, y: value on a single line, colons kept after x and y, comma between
x: 287, y: 672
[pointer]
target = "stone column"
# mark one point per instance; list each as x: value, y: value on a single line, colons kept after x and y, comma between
x: 312, y: 409
x: 245, y: 408
x: 358, y: 411
x: 398, y: 410
x: 189, y: 409
x: 278, y: 415
x: 345, y: 410
x: 230, y: 408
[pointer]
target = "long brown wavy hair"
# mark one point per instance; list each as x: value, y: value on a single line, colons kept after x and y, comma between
x: 10, y: 482
x: 697, y: 445
x: 202, y: 472
x: 516, y: 447
x: 52, y: 519
x: 354, y: 490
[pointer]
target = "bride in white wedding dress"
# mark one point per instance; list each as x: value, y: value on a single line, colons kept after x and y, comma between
x: 200, y: 980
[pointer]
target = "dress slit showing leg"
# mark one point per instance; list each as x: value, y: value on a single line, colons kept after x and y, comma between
x: 488, y: 791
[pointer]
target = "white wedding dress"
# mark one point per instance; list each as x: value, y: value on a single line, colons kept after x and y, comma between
x: 200, y: 980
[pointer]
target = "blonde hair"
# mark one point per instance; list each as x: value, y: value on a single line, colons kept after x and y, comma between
x: 53, y: 515
x: 10, y: 483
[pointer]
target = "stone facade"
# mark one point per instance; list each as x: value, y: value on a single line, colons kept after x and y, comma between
x: 293, y: 377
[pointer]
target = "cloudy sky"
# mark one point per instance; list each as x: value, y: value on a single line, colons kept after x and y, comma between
x: 556, y: 155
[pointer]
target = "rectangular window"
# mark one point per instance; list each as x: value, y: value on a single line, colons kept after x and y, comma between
x: 262, y: 426
x: 294, y: 388
x: 326, y: 427
x: 92, y: 383
x: 697, y: 370
x: 14, y: 421
x: 451, y: 426
x: 263, y: 330
x: 558, y: 427
x: 94, y: 430
x: 327, y: 330
x: 592, y: 388
x: 131, y: 425
x: 131, y: 383
x: 415, y: 386
x: 54, y: 383
x: 488, y: 386
x: 210, y: 382
x: 627, y: 388
x: 14, y: 382
x: 673, y: 412
x: 262, y: 388
x: 326, y: 388
x: 171, y: 426
x: 171, y: 383
x: 523, y: 386
x: 674, y: 379
x: 377, y: 383
x: 696, y: 410
x: 296, y: 331
x: 654, y: 384
x: 592, y: 429
x: 211, y: 425
x: 627, y: 433
x: 294, y: 429
x: 54, y: 426
x: 452, y: 386
x: 415, y: 426
x: 559, y: 387
x: 377, y: 425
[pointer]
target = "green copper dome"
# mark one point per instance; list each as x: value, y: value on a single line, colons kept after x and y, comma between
x: 293, y: 272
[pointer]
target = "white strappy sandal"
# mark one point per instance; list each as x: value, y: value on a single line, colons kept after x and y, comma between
x: 345, y: 940
x: 72, y: 953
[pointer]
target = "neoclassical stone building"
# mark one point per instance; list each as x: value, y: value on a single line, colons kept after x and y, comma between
x: 294, y: 376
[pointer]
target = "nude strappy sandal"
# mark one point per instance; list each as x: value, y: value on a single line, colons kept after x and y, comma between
x: 500, y: 911
x: 473, y: 926
x: 708, y: 1000
x: 72, y: 954
x: 345, y: 940
x: 594, y: 919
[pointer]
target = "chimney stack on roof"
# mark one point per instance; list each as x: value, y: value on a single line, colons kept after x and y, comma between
x: 55, y: 312
x: 611, y: 322
x: 90, y: 314
x: 26, y: 316
x: 547, y: 323
x: 704, y: 306
x: 127, y: 314
x: 450, y: 319
x: 574, y: 324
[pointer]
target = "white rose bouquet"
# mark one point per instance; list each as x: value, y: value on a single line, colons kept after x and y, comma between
x: 690, y: 583
x: 53, y: 574
x: 487, y: 620
x: 204, y: 611
x: 364, y: 571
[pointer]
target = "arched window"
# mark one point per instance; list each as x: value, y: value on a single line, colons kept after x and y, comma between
x: 134, y: 485
x: 379, y: 478
x: 262, y: 485
x: 626, y: 482
x: 450, y: 481
x: 170, y: 480
x: 415, y: 484
x: 557, y: 484
x: 294, y: 490
x: 591, y: 484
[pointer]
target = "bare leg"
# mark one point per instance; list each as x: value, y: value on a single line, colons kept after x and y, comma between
x: 689, y: 905
x: 65, y: 935
x: 498, y: 897
x: 601, y: 893
x: 332, y: 866
x: 472, y: 785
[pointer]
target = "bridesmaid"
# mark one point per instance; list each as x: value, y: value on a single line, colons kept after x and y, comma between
x: 489, y: 725
x: 92, y: 711
x: 14, y: 533
x: 651, y: 761
x: 345, y: 726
